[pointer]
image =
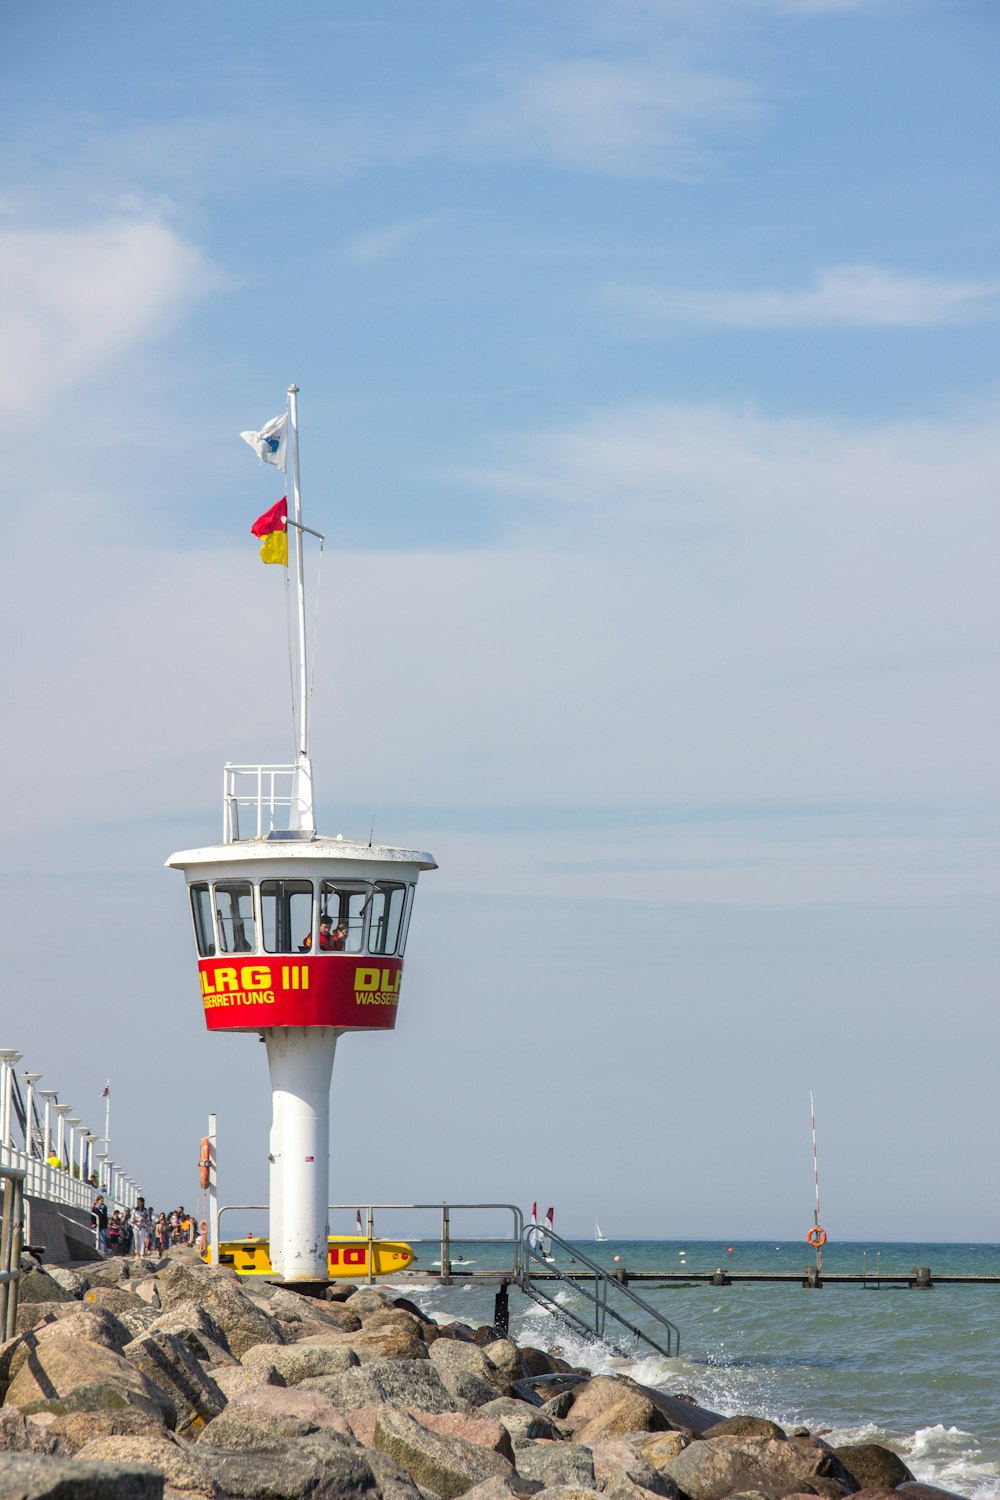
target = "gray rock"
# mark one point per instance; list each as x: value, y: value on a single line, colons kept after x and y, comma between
x: 175, y: 1461
x: 340, y: 1474
x: 873, y: 1466
x: 36, y: 1285
x: 556, y: 1463
x: 129, y: 1309
x: 234, y: 1380
x: 722, y: 1466
x: 520, y: 1420
x: 504, y: 1358
x: 447, y: 1466
x: 36, y: 1476
x: 301, y: 1361
x: 621, y: 1487
x: 196, y: 1327
x: 243, y: 1429
x: 242, y: 1321
x: 168, y: 1362
x: 616, y: 1458
x: 70, y: 1281
x: 77, y: 1320
x: 366, y: 1300
x: 69, y: 1374
x: 400, y: 1383
x: 18, y: 1435
x: 744, y: 1426
x: 491, y: 1489
x: 466, y: 1372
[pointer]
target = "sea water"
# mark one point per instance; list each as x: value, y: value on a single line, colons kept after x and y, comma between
x: 916, y: 1370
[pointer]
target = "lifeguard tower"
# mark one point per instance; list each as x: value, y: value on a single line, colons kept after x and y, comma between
x: 299, y: 938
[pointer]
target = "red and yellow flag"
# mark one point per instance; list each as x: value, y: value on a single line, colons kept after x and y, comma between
x: 271, y: 527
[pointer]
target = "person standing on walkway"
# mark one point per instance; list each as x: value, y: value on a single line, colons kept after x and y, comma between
x: 99, y: 1214
x: 139, y: 1221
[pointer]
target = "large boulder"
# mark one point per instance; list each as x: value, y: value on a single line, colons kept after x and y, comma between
x: 303, y: 1360
x: 70, y: 1281
x: 277, y: 1401
x: 195, y: 1326
x: 504, y: 1359
x: 68, y: 1374
x: 614, y: 1456
x: 36, y: 1476
x: 466, y: 1372
x: 241, y: 1320
x: 873, y: 1466
x: 36, y: 1285
x: 659, y: 1448
x: 74, y: 1320
x: 319, y: 1466
x: 744, y: 1426
x: 76, y: 1428
x: 131, y: 1310
x: 716, y: 1467
x: 403, y: 1383
x: 632, y: 1412
x: 168, y: 1362
x: 556, y: 1463
x: 18, y: 1434
x: 176, y: 1462
x: 448, y: 1466
x: 520, y: 1419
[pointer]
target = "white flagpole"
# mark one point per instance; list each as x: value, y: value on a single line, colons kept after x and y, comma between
x: 302, y: 748
x: 303, y: 816
x: 107, y: 1117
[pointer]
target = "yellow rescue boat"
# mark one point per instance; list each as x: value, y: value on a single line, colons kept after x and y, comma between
x: 347, y: 1257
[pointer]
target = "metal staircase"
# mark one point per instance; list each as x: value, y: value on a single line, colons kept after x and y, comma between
x: 607, y: 1296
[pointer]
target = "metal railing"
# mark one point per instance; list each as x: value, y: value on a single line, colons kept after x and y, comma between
x: 605, y: 1286
x: 368, y: 1211
x: 11, y: 1237
x: 259, y: 792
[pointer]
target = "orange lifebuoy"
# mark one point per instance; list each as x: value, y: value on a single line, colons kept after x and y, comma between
x: 204, y: 1160
x: 817, y: 1237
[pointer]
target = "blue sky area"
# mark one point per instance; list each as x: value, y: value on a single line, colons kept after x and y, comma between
x: 648, y: 369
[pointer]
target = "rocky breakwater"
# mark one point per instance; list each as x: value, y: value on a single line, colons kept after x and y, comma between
x: 131, y: 1382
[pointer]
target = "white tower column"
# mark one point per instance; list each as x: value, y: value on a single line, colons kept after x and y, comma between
x: 300, y: 1060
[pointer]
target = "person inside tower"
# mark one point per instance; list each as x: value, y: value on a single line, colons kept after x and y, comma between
x: 331, y: 938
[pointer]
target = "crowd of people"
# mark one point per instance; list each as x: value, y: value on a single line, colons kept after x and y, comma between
x: 143, y: 1232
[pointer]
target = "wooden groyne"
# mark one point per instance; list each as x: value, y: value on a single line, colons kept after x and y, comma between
x: 918, y: 1278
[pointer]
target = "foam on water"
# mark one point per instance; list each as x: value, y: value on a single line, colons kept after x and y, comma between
x: 915, y: 1371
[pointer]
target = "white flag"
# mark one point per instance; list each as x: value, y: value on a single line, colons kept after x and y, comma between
x: 269, y: 442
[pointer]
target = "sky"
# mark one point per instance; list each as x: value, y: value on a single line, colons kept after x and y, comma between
x: 648, y: 376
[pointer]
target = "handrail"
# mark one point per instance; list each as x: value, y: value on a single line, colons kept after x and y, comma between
x: 11, y: 1236
x: 446, y: 1210
x: 604, y: 1282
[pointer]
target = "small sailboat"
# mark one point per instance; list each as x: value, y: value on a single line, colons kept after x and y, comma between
x: 599, y: 1232
x: 546, y: 1241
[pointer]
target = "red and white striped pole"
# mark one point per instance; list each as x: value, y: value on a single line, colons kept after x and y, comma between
x: 817, y: 1227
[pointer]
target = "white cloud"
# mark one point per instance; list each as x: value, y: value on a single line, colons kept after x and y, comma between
x: 73, y: 300
x: 840, y: 296
x: 622, y: 119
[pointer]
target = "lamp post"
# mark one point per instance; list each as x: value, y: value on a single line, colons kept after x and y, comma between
x: 49, y: 1095
x: 8, y: 1057
x: 29, y: 1111
x: 72, y: 1121
x: 85, y: 1140
x: 62, y: 1110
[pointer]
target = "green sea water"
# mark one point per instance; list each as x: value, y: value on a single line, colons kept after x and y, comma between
x: 917, y: 1370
